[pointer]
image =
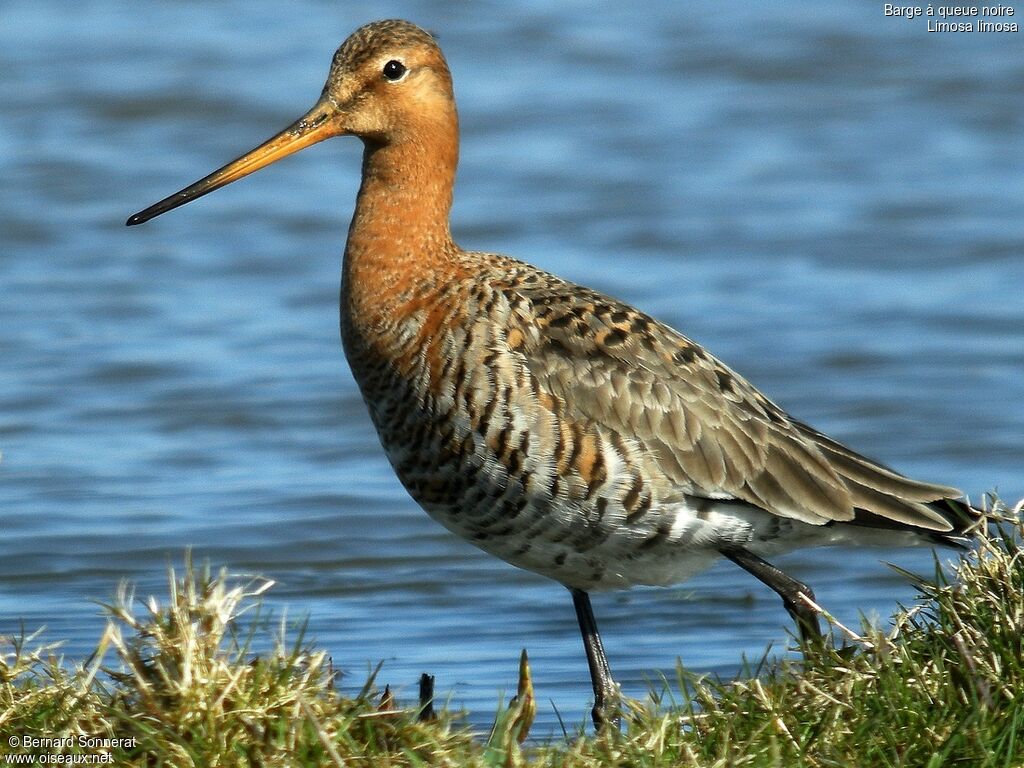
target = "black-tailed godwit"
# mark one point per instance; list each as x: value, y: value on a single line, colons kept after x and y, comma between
x: 557, y: 428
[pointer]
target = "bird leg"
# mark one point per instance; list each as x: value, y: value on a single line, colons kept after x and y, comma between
x: 606, y: 692
x: 789, y: 589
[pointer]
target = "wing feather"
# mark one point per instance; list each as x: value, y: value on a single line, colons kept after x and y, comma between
x: 710, y: 432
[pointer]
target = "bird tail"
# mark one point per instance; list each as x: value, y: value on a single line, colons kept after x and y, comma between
x: 884, y: 499
x: 963, y: 519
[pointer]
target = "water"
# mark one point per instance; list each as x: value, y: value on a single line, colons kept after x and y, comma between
x: 830, y: 200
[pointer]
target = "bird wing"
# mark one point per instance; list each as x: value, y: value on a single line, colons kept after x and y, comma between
x: 712, y: 433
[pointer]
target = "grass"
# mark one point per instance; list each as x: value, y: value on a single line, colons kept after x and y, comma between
x: 180, y: 685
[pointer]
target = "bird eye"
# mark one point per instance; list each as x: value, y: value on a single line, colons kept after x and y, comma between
x: 394, y: 70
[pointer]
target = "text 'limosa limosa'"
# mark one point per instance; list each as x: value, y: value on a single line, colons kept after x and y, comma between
x: 552, y: 426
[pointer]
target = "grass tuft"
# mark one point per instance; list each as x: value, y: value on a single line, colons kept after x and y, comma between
x: 181, y: 684
x: 188, y: 690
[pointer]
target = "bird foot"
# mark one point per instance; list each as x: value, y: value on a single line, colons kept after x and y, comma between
x: 607, y: 712
x: 607, y: 719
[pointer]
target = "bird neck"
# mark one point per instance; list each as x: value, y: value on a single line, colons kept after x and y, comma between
x: 399, y: 242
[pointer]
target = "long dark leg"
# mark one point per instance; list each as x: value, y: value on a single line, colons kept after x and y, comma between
x: 606, y: 693
x: 789, y: 589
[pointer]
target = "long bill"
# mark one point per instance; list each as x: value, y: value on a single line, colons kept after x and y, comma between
x: 316, y: 125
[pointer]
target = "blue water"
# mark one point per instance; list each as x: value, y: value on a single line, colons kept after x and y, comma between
x: 830, y: 200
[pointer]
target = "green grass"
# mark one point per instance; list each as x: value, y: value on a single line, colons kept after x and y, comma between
x: 179, y: 685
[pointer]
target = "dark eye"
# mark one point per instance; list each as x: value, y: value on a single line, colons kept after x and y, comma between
x: 394, y: 70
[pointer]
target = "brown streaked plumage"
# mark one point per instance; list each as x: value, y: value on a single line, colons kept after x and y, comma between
x: 550, y: 425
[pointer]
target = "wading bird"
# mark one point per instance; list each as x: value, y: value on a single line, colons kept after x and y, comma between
x: 552, y: 426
